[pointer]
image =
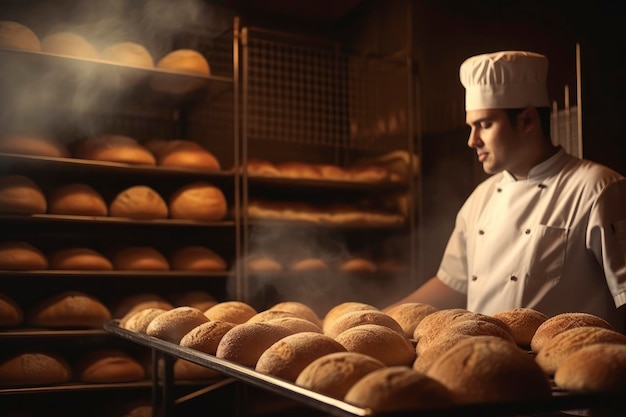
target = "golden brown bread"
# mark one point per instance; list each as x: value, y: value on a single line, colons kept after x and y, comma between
x: 246, y: 342
x: 334, y: 374
x: 15, y: 35
x: 186, y: 370
x: 309, y: 264
x: 207, y: 336
x: 108, y: 366
x: 561, y: 322
x: 11, y: 314
x: 139, y: 258
x: 201, y: 300
x: 333, y: 172
x: 300, y: 309
x: 21, y: 195
x: 138, y: 301
x: 267, y: 315
x: 408, y: 315
x: 138, y: 320
x: 129, y: 53
x: 186, y: 154
x: 523, y: 323
x: 262, y: 168
x: 425, y: 359
x: 33, y: 145
x: 77, y: 199
x: 21, y: 256
x: 263, y: 264
x: 196, y: 258
x: 34, y: 369
x: 290, y: 355
x: 139, y: 202
x: 599, y: 367
x: 198, y: 200
x: 174, y: 324
x: 299, y: 170
x: 357, y: 318
x: 79, y: 259
x: 296, y: 324
x: 69, y: 309
x: 345, y: 307
x: 185, y: 60
x: 368, y: 173
x: 437, y: 321
x: 231, y: 311
x: 358, y: 265
x: 388, y: 346
x: 114, y: 148
x: 69, y: 43
x: 398, y: 388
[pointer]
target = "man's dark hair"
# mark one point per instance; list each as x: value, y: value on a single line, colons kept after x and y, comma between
x: 544, y: 118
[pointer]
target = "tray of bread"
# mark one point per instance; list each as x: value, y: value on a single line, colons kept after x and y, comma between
x: 413, y: 359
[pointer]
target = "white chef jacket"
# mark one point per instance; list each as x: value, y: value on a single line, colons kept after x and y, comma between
x: 555, y: 242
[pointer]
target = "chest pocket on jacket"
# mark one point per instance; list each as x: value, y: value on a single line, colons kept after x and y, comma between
x: 547, y: 259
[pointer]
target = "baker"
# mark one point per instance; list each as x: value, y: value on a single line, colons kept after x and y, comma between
x: 546, y: 230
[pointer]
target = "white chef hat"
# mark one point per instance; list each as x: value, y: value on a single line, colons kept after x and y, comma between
x: 505, y: 80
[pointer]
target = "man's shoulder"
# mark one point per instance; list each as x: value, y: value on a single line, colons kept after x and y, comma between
x: 591, y: 172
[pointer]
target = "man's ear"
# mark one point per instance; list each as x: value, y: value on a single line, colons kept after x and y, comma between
x: 528, y: 119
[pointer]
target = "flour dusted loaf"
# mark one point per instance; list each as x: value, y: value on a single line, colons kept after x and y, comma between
x: 340, y: 309
x: 246, y: 342
x: 356, y: 318
x: 523, y: 323
x: 34, y: 369
x: 561, y: 322
x: 207, y: 336
x: 174, y: 324
x: 409, y: 315
x: 139, y: 320
x: 389, y: 346
x: 299, y: 309
x: 21, y: 195
x: 69, y: 309
x: 231, y: 311
x: 599, y: 367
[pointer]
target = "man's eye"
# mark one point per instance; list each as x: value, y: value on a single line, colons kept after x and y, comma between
x: 485, y: 125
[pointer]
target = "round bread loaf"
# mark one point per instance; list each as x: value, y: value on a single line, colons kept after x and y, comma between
x: 79, y: 259
x: 398, y: 388
x: 21, y: 195
x: 196, y: 258
x: 11, y: 314
x: 408, y: 315
x: 425, y: 359
x: 309, y: 264
x: 108, y: 366
x: 198, y: 201
x: 301, y: 309
x: 563, y: 344
x: 296, y: 324
x: 185, y: 60
x: 356, y: 318
x: 21, y: 256
x: 138, y: 320
x: 186, y: 370
x: 140, y: 258
x: 140, y: 301
x: 33, y: 369
x: 114, y: 148
x: 342, y: 308
x: 207, y: 336
x: 358, y: 265
x: 333, y: 173
x: 129, y: 53
x: 201, y: 300
x: 599, y: 367
x: 186, y: 154
x: 290, y: 355
x: 561, y: 322
x: 33, y: 145
x: 69, y: 43
x: 267, y: 315
x: 261, y: 168
x: 69, y: 309
x: 77, y: 199
x: 299, y: 170
x: 263, y: 264
x: 139, y: 202
x: 334, y: 374
x: 14, y: 35
x: 480, y: 370
x: 175, y: 323
x: 388, y: 346
x: 437, y: 321
x: 523, y: 323
x: 231, y: 311
x: 246, y: 342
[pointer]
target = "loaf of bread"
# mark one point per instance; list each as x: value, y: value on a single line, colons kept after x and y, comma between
x: 77, y: 199
x: 331, y: 172
x: 186, y: 370
x: 108, y: 366
x: 296, y: 324
x: 140, y: 258
x: 523, y: 323
x: 21, y: 256
x: 261, y: 264
x: 196, y: 258
x: 246, y: 342
x: 368, y: 173
x: 599, y: 367
x: 267, y: 315
x: 69, y: 309
x: 263, y: 168
x: 299, y: 309
x: 561, y: 322
x: 398, y: 388
x: 129, y: 53
x: 33, y: 145
x: 309, y: 264
x: 198, y: 201
x: 437, y: 321
x: 114, y: 148
x: 342, y: 308
x: 79, y: 259
x: 185, y: 60
x: 207, y: 336
x: 356, y: 318
x: 358, y: 265
x: 139, y: 202
x: 14, y: 35
x: 34, y: 369
x: 388, y: 346
x: 174, y: 324
x: 299, y: 170
x: 199, y: 299
x: 21, y: 195
x: 186, y: 154
x: 334, y: 374
x: 139, y: 320
x: 69, y: 43
x: 11, y: 314
x: 425, y: 359
x: 287, y: 357
x: 408, y: 315
x: 139, y: 301
x: 236, y: 312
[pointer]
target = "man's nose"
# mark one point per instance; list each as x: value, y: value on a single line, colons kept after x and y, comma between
x: 473, y: 140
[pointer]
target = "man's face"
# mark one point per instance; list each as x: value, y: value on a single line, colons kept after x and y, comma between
x: 499, y: 145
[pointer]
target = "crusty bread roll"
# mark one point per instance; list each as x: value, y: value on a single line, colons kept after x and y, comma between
x: 108, y: 366
x: 425, y: 359
x: 334, y: 374
x: 309, y: 264
x: 481, y: 370
x: 140, y: 258
x: 296, y: 324
x: 196, y: 258
x: 333, y: 173
x: 355, y: 318
x: 231, y: 311
x: 139, y: 202
x: 129, y: 53
x: 175, y: 323
x: 368, y: 173
x: 299, y: 170
x: 563, y: 344
x: 561, y: 322
x: 358, y: 265
x: 262, y: 168
x: 186, y: 370
x: 600, y: 367
x: 185, y: 60
x: 408, y: 315
x: 523, y: 323
x: 14, y: 35
x: 186, y: 154
x: 199, y: 299
x: 207, y: 336
x: 262, y: 264
x: 198, y: 201
x: 21, y: 256
x: 342, y: 308
x: 114, y: 148
x: 79, y: 259
x: 398, y: 388
x: 437, y: 321
x: 300, y: 309
x: 69, y: 43
x: 388, y: 346
x: 33, y: 145
x: 140, y: 301
x: 71, y: 309
x: 33, y: 369
x: 267, y: 315
x: 77, y: 199
x: 19, y: 194
x: 246, y: 342
x: 290, y: 355
x: 11, y: 314
x: 139, y: 320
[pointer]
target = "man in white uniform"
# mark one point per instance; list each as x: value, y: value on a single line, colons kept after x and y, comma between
x: 546, y: 230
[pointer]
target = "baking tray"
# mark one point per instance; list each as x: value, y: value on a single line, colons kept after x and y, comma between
x: 559, y: 401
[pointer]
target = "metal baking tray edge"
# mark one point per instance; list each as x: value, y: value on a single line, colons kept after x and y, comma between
x: 560, y: 400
